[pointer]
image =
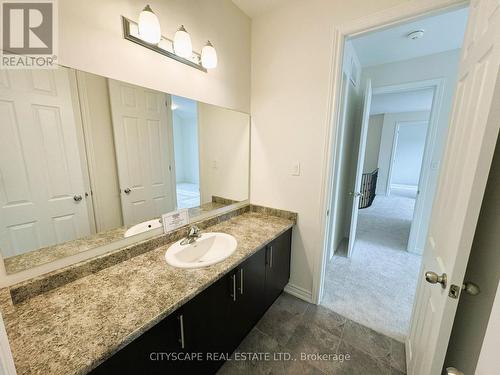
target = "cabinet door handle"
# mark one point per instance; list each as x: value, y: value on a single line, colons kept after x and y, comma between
x: 181, y: 322
x: 241, y: 281
x: 233, y: 295
x: 271, y: 256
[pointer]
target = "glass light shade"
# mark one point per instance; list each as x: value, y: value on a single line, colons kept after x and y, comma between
x: 209, y: 56
x: 149, y: 26
x: 182, y: 43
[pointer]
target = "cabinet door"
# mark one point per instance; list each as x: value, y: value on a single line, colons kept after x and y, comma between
x: 250, y: 301
x: 147, y: 353
x: 278, y: 266
x: 206, y: 318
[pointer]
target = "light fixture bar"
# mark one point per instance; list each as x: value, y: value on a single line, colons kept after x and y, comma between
x: 164, y: 47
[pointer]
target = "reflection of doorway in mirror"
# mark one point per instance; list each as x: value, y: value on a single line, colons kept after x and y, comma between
x: 141, y: 134
x: 42, y: 194
x: 187, y: 167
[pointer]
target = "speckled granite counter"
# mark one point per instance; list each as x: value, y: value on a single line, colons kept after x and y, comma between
x: 25, y: 261
x: 71, y: 329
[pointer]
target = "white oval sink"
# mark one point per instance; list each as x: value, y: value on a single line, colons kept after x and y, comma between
x: 142, y: 227
x: 209, y: 249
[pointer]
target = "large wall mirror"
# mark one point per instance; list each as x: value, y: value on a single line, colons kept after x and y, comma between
x: 86, y: 161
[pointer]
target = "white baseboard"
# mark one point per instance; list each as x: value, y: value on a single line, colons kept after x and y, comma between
x: 299, y: 292
x: 6, y: 361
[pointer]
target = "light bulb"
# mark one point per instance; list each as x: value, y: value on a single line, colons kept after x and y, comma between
x: 182, y: 43
x: 149, y: 26
x: 209, y: 56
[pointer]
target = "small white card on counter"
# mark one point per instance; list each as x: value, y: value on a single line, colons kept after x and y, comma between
x: 175, y: 219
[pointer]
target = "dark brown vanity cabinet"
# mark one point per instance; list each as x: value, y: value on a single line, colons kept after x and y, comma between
x: 277, y: 266
x: 213, y: 323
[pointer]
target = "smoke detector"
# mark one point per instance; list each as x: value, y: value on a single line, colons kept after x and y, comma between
x: 414, y: 35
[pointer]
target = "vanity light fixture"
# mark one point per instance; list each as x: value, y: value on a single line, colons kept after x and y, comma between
x: 182, y: 43
x: 147, y: 33
x: 209, y: 56
x: 149, y: 26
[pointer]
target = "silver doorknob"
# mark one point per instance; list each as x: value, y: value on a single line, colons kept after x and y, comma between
x: 127, y: 191
x: 453, y: 371
x: 77, y: 198
x: 434, y: 278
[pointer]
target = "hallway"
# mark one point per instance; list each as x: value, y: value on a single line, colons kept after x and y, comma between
x: 376, y: 286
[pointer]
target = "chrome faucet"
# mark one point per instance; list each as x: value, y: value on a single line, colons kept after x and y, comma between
x: 193, y: 235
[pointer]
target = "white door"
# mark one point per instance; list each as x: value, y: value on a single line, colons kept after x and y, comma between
x: 140, y: 125
x: 471, y: 142
x: 359, y: 166
x: 40, y: 168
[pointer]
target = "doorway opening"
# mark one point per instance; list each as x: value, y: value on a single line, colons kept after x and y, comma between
x: 185, y: 129
x: 396, y: 99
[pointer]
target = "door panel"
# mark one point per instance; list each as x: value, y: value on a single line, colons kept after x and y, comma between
x: 278, y: 266
x: 208, y: 324
x: 40, y: 170
x: 471, y: 142
x: 359, y: 167
x: 251, y: 286
x: 142, y: 140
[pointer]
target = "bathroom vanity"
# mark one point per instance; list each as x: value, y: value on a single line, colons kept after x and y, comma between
x: 121, y: 312
x: 200, y: 335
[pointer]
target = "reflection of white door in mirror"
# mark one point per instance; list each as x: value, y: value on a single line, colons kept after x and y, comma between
x: 143, y: 151
x: 40, y: 172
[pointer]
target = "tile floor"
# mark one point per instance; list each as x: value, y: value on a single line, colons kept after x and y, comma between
x: 299, y: 328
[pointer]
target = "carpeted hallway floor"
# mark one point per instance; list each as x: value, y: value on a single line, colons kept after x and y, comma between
x: 377, y: 285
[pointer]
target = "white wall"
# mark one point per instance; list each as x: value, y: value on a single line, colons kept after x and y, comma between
x: 291, y: 61
x: 387, y: 141
x: 408, y: 153
x: 91, y: 39
x: 224, y: 153
x: 186, y: 149
x: 6, y: 360
x: 373, y: 138
x: 439, y: 66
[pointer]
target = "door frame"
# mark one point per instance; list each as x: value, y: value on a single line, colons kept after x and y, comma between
x: 395, y: 140
x: 395, y: 137
x: 390, y: 17
x: 438, y: 85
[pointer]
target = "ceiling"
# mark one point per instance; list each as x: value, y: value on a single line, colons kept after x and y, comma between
x: 443, y: 32
x: 253, y: 8
x: 410, y: 101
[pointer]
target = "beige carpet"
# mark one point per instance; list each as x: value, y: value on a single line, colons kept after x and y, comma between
x: 376, y: 286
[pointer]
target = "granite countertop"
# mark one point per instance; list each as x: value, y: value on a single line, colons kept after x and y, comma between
x: 71, y: 329
x: 25, y: 261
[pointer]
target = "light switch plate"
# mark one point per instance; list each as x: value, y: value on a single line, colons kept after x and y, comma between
x: 296, y: 169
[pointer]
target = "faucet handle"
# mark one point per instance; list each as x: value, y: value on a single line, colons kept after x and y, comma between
x: 194, y: 231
